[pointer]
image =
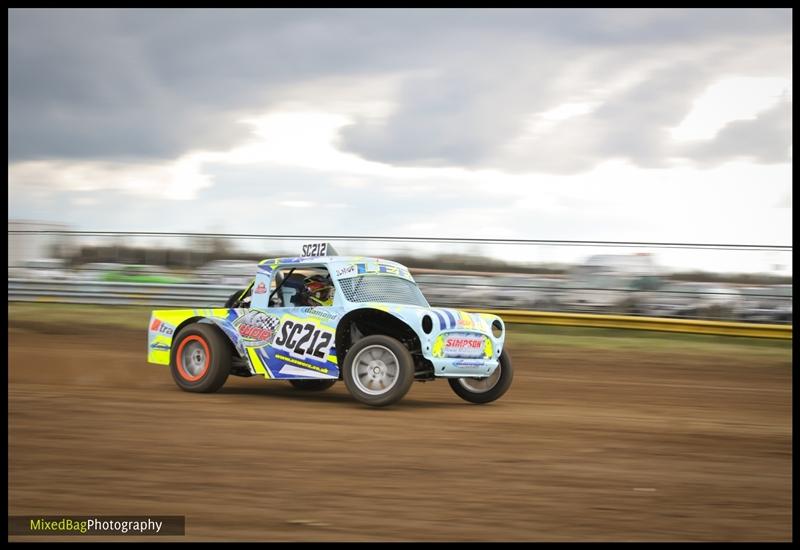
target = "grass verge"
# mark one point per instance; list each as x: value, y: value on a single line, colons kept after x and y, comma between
x: 136, y: 318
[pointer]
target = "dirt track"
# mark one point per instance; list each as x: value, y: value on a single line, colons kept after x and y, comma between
x: 587, y: 445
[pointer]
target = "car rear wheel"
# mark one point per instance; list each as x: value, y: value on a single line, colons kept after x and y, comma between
x: 201, y: 359
x: 312, y: 385
x: 378, y: 370
x: 488, y: 389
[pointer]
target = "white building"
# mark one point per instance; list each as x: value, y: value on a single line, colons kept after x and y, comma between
x: 33, y: 240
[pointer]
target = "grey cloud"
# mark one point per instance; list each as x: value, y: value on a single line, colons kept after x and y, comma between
x: 764, y: 139
x: 147, y: 84
x: 454, y: 119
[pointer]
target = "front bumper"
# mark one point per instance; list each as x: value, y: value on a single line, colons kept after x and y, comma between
x: 459, y: 368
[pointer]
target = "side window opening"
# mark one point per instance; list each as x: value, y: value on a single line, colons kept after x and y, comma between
x: 241, y: 298
x: 301, y: 287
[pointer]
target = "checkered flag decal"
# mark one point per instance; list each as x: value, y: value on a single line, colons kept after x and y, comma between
x: 264, y: 321
x: 257, y: 328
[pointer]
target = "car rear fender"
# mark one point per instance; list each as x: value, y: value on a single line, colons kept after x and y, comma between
x: 166, y: 324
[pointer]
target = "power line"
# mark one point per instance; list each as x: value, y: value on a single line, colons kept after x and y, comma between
x: 365, y: 238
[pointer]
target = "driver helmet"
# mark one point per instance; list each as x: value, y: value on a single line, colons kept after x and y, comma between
x: 318, y: 290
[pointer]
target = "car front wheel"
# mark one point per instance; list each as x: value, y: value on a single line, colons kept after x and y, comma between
x: 488, y: 389
x: 378, y: 370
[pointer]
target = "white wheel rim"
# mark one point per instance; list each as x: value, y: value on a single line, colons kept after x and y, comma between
x: 375, y: 370
x: 193, y: 358
x: 481, y: 385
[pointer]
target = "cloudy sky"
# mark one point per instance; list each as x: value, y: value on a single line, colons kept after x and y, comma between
x: 623, y: 125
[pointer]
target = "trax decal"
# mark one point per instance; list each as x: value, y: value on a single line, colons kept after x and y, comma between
x: 162, y: 327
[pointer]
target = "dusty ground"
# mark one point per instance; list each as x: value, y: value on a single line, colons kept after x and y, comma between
x: 589, y: 444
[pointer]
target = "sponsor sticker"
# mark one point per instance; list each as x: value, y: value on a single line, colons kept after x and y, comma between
x: 347, y: 270
x: 161, y: 327
x: 320, y: 312
x: 256, y: 328
x: 463, y: 363
x: 261, y: 288
x: 461, y: 345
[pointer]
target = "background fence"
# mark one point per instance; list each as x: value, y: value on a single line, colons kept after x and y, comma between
x: 668, y: 280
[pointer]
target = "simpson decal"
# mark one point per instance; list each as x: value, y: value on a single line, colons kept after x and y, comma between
x: 463, y: 345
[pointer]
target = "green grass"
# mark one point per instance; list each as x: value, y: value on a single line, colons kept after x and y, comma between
x: 133, y: 317
x: 518, y: 335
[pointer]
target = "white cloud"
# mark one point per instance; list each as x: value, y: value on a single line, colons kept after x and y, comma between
x: 729, y: 99
x: 297, y: 204
x: 568, y: 110
x: 181, y: 179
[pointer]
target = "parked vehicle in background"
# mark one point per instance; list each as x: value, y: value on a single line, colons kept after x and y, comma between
x: 676, y: 299
x: 609, y: 283
x: 766, y: 304
x: 713, y: 301
x: 521, y: 292
x: 226, y: 272
x: 52, y: 269
x: 455, y: 290
x: 606, y: 292
x: 631, y: 265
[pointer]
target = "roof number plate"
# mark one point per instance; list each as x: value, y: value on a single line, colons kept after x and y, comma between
x: 318, y: 249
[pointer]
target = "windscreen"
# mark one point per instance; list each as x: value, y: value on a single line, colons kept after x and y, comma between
x: 382, y: 288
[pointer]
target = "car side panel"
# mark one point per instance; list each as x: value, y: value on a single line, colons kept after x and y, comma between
x: 303, y: 346
x: 282, y: 343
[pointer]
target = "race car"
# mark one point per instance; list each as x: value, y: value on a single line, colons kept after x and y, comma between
x: 318, y: 318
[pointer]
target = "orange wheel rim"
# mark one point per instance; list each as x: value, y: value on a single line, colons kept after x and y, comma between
x: 193, y: 358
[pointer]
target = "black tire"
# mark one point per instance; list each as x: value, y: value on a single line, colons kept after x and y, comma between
x: 400, y: 376
x: 312, y: 385
x: 459, y: 385
x: 201, y: 358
